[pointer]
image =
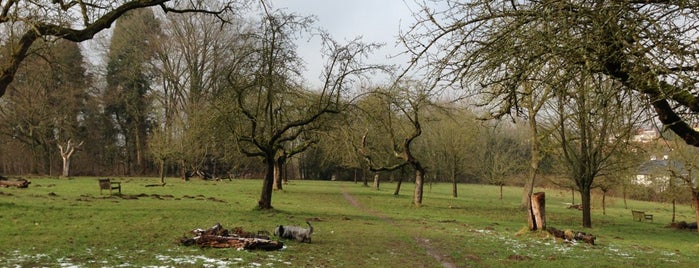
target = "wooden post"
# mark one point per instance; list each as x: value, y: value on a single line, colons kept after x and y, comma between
x: 537, y: 213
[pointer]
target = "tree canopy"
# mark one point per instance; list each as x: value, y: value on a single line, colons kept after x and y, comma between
x: 496, y: 46
x: 25, y: 22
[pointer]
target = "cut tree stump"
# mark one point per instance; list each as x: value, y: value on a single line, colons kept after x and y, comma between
x: 537, y: 213
x: 218, y: 237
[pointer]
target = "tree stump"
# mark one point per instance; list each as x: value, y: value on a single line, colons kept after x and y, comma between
x: 537, y: 212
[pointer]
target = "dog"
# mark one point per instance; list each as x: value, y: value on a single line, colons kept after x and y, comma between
x: 294, y: 232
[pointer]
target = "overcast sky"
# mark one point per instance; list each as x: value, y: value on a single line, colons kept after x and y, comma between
x: 375, y: 20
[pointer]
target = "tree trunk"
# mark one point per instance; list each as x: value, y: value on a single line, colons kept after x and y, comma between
x: 604, y: 205
x: 624, y: 190
x: 277, y: 171
x: 66, y: 166
x: 586, y: 207
x: 183, y: 170
x: 537, y: 213
x: 533, y: 161
x: 162, y: 171
x: 673, y: 210
x: 419, y: 181
x: 400, y: 182
x: 267, y: 185
x: 501, y: 192
x: 695, y: 201
x: 366, y: 180
x: 66, y: 153
x: 454, y: 187
x: 376, y: 181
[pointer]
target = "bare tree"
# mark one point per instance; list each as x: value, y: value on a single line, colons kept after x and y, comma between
x: 264, y: 104
x: 682, y: 166
x: 647, y: 46
x: 406, y: 102
x: 502, y: 154
x: 190, y: 59
x: 66, y: 153
x: 25, y: 22
x: 593, y: 125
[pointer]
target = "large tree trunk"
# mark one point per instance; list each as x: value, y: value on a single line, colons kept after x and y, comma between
x: 586, y: 207
x: 267, y: 185
x: 66, y: 166
x: 533, y: 161
x: 537, y: 212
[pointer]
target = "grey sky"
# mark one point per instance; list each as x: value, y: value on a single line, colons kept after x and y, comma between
x: 375, y: 20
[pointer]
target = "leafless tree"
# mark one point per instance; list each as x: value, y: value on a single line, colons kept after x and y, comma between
x: 25, y: 22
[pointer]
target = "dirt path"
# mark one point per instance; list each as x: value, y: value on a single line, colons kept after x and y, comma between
x: 425, y: 243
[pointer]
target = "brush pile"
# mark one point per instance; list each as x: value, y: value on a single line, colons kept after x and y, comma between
x: 218, y: 237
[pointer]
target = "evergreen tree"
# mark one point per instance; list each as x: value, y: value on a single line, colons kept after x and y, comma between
x: 127, y: 99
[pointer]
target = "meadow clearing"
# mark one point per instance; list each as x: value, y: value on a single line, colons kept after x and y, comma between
x: 68, y: 223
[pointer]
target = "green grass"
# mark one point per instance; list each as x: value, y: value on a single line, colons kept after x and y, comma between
x: 66, y: 222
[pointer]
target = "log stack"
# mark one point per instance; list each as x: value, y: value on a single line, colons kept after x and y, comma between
x: 570, y: 235
x: 19, y: 183
x: 218, y: 237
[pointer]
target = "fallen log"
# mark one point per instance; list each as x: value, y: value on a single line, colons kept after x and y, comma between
x: 219, y: 237
x: 19, y: 183
x: 570, y: 235
x: 683, y: 225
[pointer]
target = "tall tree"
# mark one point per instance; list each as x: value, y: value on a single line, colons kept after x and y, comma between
x: 406, y: 103
x: 502, y: 154
x: 29, y: 21
x: 127, y: 96
x: 45, y: 104
x: 682, y: 167
x: 490, y: 43
x: 451, y: 143
x: 267, y: 109
x: 593, y: 124
x: 190, y: 59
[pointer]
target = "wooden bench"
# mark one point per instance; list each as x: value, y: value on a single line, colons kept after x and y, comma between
x: 107, y: 184
x: 641, y: 216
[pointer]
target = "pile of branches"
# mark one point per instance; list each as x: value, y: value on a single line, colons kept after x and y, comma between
x: 218, y: 237
x: 570, y: 235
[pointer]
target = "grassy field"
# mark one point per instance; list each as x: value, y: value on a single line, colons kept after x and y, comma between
x: 67, y: 223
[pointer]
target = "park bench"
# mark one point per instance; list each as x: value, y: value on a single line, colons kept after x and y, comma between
x: 107, y: 184
x: 641, y: 216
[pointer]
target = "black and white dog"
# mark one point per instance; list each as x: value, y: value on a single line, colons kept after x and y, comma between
x: 294, y: 232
